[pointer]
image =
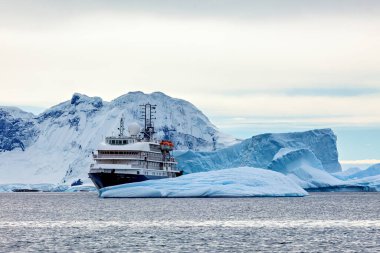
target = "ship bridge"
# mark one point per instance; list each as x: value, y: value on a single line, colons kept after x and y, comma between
x: 120, y: 140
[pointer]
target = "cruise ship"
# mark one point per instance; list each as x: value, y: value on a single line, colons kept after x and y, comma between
x: 137, y: 157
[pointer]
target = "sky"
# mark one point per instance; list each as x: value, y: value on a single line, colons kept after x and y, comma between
x: 251, y: 66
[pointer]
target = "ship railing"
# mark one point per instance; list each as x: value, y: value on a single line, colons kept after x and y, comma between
x: 128, y: 167
x: 119, y: 156
x: 137, y: 166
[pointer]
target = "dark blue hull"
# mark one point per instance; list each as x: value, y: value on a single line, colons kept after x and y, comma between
x: 102, y: 180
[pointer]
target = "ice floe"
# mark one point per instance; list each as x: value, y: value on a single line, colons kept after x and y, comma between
x: 235, y: 182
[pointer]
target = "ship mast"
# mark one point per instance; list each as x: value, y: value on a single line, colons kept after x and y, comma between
x: 121, y: 128
x: 148, y: 112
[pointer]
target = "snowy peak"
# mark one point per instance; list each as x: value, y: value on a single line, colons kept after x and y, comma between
x: 176, y: 119
x: 78, y: 98
x: 78, y: 102
x: 15, y: 113
x: 17, y: 129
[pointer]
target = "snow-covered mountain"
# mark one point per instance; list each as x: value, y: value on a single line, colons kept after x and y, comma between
x: 56, y: 145
x: 17, y: 129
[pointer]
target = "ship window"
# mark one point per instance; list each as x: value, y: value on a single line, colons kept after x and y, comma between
x: 138, y: 172
x: 113, y: 142
x: 124, y: 141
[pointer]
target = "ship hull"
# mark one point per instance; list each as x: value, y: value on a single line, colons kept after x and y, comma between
x: 102, y: 180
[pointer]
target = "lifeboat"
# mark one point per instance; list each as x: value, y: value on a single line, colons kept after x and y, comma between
x: 166, y: 145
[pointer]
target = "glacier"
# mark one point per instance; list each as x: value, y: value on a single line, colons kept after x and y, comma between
x: 235, y: 182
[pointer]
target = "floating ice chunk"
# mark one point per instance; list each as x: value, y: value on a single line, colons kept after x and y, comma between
x: 372, y: 182
x: 35, y: 187
x: 369, y: 178
x: 235, y: 182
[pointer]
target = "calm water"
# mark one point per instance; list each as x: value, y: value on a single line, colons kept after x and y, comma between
x: 69, y: 222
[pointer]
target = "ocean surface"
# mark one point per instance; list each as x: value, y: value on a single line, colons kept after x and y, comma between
x: 81, y: 222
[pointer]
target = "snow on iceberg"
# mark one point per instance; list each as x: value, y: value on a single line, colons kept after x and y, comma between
x: 235, y: 182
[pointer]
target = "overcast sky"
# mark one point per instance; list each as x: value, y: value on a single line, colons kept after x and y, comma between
x: 251, y: 66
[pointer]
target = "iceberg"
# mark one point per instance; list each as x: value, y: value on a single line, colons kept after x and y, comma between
x: 259, y: 151
x: 371, y: 183
x: 373, y: 170
x: 368, y: 178
x: 307, y: 158
x: 234, y: 182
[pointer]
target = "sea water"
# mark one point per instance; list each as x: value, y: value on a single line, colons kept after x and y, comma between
x: 82, y: 222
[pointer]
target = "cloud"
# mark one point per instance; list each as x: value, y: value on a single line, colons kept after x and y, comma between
x: 333, y: 91
x: 274, y: 62
x: 360, y: 162
x: 45, y: 12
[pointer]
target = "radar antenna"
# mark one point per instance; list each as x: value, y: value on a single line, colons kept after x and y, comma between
x: 121, y: 127
x: 167, y: 133
x: 148, y: 112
